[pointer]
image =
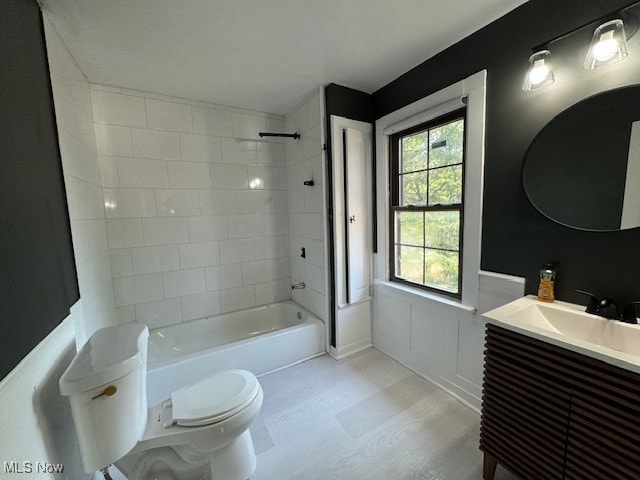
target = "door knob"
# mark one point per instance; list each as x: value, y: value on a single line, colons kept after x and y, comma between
x: 352, y: 219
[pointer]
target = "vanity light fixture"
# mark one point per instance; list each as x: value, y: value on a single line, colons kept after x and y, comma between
x: 540, y: 71
x: 608, y: 45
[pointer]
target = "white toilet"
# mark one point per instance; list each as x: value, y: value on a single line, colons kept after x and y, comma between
x: 201, y: 432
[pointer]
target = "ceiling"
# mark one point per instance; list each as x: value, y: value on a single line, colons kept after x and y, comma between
x: 261, y: 54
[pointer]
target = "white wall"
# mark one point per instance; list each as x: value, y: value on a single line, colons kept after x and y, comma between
x: 196, y: 206
x: 444, y: 342
x: 307, y: 212
x: 72, y: 101
x: 35, y: 420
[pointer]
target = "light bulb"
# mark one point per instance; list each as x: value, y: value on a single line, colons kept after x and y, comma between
x: 608, y: 45
x: 606, y: 48
x: 538, y: 73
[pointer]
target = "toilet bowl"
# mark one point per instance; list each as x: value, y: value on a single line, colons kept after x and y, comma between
x: 200, y: 432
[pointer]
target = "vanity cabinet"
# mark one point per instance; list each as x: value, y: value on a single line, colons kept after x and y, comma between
x: 551, y: 413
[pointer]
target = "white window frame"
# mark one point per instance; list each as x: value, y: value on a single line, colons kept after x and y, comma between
x: 473, y: 91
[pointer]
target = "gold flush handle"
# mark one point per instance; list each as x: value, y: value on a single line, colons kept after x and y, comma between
x: 110, y: 390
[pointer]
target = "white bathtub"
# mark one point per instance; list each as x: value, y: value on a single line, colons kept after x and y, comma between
x: 259, y: 339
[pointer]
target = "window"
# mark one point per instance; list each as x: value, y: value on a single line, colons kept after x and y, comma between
x: 427, y: 178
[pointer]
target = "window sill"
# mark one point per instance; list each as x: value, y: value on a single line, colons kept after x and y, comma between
x: 407, y: 291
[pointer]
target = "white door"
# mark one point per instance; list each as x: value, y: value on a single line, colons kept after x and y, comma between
x: 356, y: 226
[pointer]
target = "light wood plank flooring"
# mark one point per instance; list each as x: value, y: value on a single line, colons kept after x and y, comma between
x: 365, y: 417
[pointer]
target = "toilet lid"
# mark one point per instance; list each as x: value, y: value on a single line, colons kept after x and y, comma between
x: 215, y: 398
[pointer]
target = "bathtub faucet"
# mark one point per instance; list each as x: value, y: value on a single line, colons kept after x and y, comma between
x: 297, y: 286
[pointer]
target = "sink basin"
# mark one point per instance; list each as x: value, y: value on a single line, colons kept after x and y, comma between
x: 567, y: 325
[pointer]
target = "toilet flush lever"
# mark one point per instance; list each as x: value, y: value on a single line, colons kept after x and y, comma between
x: 110, y: 390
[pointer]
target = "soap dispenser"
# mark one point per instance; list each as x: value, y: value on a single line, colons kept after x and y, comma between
x: 547, y: 279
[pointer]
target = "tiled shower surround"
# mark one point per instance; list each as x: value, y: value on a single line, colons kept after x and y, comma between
x: 306, y: 205
x: 196, y: 206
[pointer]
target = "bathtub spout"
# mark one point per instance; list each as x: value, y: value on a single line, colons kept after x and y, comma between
x: 297, y: 286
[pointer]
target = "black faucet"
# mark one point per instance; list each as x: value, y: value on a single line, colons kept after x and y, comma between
x: 629, y: 314
x: 592, y: 306
x: 606, y: 307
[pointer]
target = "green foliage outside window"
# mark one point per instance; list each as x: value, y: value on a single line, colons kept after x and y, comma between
x: 436, y: 171
x: 427, y: 239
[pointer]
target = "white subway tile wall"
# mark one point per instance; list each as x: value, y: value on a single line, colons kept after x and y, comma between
x: 200, y: 305
x: 84, y: 175
x: 160, y: 313
x: 155, y: 259
x: 197, y: 215
x: 306, y: 207
x: 138, y: 172
x: 126, y: 232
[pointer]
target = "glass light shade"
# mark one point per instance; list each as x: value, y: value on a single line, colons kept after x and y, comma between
x: 540, y: 72
x: 608, y: 45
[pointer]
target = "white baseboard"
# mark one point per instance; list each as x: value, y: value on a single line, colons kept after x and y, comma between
x: 340, y: 353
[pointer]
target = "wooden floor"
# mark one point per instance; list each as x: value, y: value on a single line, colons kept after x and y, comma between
x: 365, y: 417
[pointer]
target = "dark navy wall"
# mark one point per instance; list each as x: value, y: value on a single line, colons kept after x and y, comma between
x: 38, y: 279
x: 516, y: 238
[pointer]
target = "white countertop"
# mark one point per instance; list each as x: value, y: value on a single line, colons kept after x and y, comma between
x: 568, y: 326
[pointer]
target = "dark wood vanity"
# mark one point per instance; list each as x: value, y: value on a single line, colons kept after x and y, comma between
x: 551, y: 413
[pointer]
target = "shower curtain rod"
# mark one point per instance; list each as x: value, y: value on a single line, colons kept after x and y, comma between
x: 288, y: 135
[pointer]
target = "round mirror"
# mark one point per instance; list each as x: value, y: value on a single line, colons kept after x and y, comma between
x: 583, y: 168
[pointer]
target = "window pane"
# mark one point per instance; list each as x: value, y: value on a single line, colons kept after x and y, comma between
x: 410, y: 228
x: 427, y: 238
x: 443, y: 229
x: 409, y: 263
x: 445, y: 185
x: 413, y: 188
x: 415, y: 152
x: 441, y: 270
x: 446, y: 144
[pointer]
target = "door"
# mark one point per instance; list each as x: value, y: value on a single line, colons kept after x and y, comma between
x: 356, y: 145
x: 350, y: 237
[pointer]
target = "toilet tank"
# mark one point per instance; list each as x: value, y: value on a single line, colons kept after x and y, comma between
x: 106, y: 386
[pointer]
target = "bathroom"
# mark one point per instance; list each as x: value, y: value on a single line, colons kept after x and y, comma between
x: 163, y: 205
